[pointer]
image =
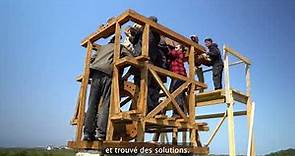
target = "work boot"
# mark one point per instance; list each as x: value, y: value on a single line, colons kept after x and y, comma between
x: 88, y: 137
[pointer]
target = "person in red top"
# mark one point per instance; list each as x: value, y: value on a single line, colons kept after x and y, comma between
x: 176, y: 57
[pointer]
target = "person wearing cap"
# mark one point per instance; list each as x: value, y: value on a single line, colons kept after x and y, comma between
x: 195, y: 38
x: 216, y: 62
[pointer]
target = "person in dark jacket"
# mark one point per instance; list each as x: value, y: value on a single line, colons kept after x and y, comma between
x: 216, y: 62
x: 155, y: 59
x: 101, y: 69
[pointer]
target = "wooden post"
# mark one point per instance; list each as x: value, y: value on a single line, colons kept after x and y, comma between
x: 230, y: 102
x: 83, y: 93
x: 174, y: 136
x: 231, y: 129
x: 192, y: 112
x: 142, y: 105
x: 226, y: 76
x: 249, y: 107
x: 184, y: 138
x: 115, y: 94
x: 251, y: 151
x: 248, y: 81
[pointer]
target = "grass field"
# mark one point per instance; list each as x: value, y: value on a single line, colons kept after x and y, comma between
x: 34, y: 152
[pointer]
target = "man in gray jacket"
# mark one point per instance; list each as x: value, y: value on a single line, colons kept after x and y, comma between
x: 97, y: 113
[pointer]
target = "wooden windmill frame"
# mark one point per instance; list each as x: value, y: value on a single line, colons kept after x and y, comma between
x: 146, y: 122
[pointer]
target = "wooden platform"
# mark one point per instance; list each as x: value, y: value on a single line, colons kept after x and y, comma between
x: 218, y: 97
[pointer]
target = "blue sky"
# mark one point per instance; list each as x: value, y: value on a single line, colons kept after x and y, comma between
x: 40, y: 55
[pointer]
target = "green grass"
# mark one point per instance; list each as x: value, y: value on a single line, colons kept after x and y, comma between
x: 34, y: 152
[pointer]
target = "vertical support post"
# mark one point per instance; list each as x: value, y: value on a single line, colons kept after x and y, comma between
x: 251, y: 151
x: 230, y: 102
x: 192, y: 112
x: 231, y: 129
x: 248, y: 81
x: 145, y: 40
x: 184, y: 137
x: 174, y: 136
x: 226, y: 76
x: 115, y: 94
x: 142, y: 105
x: 83, y: 93
x: 249, y: 110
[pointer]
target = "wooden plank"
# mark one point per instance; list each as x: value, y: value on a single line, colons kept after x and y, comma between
x: 237, y: 54
x: 83, y: 93
x: 239, y: 96
x: 174, y: 123
x: 211, y: 102
x: 136, y: 17
x: 219, y: 115
x: 170, y: 129
x: 210, y: 95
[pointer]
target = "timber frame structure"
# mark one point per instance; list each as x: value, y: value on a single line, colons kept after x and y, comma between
x: 137, y: 121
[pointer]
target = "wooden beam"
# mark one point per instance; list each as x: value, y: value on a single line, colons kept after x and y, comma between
x: 166, y: 101
x: 164, y: 72
x: 136, y: 17
x: 106, y: 31
x: 171, y: 122
x: 210, y: 95
x: 115, y: 93
x: 239, y: 96
x: 83, y: 93
x: 235, y: 63
x: 219, y: 115
x: 191, y: 95
x: 142, y: 105
x: 216, y: 129
x: 210, y: 102
x: 237, y: 54
x: 248, y: 80
x: 172, y: 99
x: 249, y: 114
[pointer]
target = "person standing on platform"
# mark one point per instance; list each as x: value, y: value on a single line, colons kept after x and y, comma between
x: 216, y: 62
